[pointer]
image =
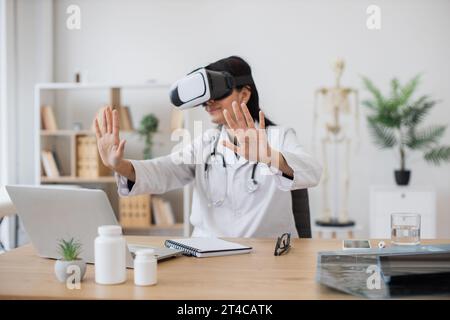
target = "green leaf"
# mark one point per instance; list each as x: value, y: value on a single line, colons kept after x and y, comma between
x: 407, y: 91
x: 438, y: 155
x: 416, y: 112
x: 374, y: 90
x: 395, y: 85
x: 388, y: 119
x: 425, y: 137
x: 385, y: 110
x: 69, y: 249
x: 382, y: 136
x: 149, y: 124
x: 369, y: 104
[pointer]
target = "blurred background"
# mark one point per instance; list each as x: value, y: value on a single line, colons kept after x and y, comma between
x: 77, y: 56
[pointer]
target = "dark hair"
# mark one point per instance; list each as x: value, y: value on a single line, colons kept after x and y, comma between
x: 237, y: 66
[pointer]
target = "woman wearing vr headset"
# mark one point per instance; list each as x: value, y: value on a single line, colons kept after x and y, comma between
x: 246, y: 168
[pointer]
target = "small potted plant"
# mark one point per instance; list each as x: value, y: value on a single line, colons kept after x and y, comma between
x: 148, y: 126
x: 70, y: 251
x: 394, y: 121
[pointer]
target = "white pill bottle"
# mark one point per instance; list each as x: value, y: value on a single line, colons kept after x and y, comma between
x: 145, y: 268
x: 110, y: 255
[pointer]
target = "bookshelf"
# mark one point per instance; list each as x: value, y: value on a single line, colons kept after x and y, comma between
x: 63, y: 142
x: 66, y: 132
x: 173, y: 230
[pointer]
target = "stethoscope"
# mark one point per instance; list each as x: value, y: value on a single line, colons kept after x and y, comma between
x: 252, y: 184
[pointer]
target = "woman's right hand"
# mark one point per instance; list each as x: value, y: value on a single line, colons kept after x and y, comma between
x: 109, y: 145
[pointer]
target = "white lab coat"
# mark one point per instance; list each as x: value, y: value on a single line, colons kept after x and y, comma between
x: 266, y: 212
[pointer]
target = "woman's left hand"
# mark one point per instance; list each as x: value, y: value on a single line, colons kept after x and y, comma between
x: 252, y: 141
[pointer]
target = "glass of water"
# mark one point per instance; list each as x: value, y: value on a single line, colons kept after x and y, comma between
x: 405, y: 228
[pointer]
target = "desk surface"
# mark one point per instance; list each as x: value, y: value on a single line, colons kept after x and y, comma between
x: 258, y: 275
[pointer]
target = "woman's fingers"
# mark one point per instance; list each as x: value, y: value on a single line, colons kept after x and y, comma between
x: 248, y: 151
x: 230, y: 122
x: 104, y: 128
x: 109, y: 119
x: 248, y: 116
x: 230, y: 146
x: 98, y: 133
x: 262, y: 120
x: 238, y: 115
x: 115, y: 127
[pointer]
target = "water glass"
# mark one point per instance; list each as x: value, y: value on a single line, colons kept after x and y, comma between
x: 405, y: 228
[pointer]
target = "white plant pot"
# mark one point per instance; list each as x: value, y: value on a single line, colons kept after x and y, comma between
x: 62, y: 270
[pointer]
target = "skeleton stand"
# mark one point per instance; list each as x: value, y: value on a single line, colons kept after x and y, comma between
x: 336, y: 101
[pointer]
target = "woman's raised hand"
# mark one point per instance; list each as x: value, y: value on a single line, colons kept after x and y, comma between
x: 109, y: 144
x: 252, y: 142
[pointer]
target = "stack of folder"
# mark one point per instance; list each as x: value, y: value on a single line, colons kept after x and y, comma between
x: 400, y: 271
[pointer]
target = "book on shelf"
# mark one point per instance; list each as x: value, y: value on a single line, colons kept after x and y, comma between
x: 57, y: 161
x: 168, y: 213
x: 49, y: 164
x: 157, y: 213
x: 126, y: 123
x: 162, y: 212
x: 48, y: 119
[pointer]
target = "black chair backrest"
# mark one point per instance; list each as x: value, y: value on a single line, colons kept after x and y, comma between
x: 300, y: 207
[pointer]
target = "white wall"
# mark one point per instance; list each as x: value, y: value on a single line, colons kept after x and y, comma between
x: 33, y: 63
x: 290, y: 45
x: 28, y: 56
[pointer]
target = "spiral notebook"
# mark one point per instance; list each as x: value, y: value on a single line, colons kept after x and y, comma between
x: 207, y: 247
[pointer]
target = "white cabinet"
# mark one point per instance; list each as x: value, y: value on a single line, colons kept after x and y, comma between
x: 385, y: 200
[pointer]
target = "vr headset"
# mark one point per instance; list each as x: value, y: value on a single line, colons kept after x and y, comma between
x: 202, y: 85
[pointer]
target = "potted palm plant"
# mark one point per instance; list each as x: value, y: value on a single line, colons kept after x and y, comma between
x: 394, y: 122
x: 148, y: 126
x: 70, y: 251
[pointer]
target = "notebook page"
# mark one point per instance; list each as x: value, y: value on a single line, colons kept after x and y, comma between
x: 210, y: 244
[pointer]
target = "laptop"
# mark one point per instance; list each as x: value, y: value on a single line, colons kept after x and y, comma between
x: 50, y: 213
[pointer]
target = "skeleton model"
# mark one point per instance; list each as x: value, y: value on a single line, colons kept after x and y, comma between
x: 336, y: 125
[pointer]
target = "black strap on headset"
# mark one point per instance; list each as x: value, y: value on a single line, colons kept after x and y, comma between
x: 238, y: 80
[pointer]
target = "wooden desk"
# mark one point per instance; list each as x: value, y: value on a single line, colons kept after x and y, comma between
x: 258, y: 275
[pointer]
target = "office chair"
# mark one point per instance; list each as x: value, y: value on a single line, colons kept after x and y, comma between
x: 300, y: 207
